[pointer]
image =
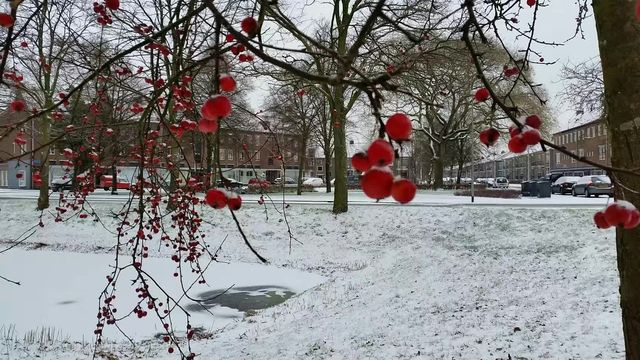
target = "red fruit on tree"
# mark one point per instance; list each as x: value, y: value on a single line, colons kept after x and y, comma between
x: 600, y: 220
x: 377, y: 182
x: 177, y: 130
x: 208, y: 126
x: 531, y: 136
x: 235, y: 202
x: 517, y: 144
x: 170, y: 350
x: 482, y: 95
x: 638, y: 10
x: 216, y: 107
x: 6, y: 20
x: 250, y: 26
x: 230, y: 38
x: 533, y: 121
x: 617, y: 214
x: 531, y: 2
x: 227, y: 83
x: 380, y: 153
x: 489, y: 136
x: 633, y: 221
x: 360, y: 162
x: 112, y: 4
x: 399, y: 127
x: 215, y: 198
x: 514, y: 130
x: 403, y: 191
x: 18, y: 105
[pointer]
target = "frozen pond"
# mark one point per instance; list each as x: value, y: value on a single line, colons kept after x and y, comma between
x: 59, y: 290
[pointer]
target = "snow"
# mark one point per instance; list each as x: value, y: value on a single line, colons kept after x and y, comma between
x: 526, y: 278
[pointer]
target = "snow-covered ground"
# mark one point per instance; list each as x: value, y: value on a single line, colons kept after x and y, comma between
x: 424, y: 282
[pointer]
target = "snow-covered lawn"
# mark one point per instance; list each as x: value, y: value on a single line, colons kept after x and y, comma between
x: 428, y: 282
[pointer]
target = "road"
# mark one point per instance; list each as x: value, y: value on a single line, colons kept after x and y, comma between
x: 357, y: 198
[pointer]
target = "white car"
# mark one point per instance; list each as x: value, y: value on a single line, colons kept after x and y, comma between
x: 314, y: 181
x: 501, y: 183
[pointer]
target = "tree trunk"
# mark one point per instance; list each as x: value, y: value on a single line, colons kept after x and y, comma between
x: 341, y: 195
x: 459, y: 176
x: 43, y: 196
x: 302, y: 158
x: 327, y: 170
x: 438, y: 167
x: 619, y: 41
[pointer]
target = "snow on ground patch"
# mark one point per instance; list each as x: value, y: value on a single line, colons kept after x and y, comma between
x: 424, y: 282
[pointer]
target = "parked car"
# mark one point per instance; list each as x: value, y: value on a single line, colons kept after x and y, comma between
x: 352, y: 181
x: 314, y: 181
x: 61, y: 183
x: 564, y: 184
x: 501, y: 183
x: 106, y: 182
x: 592, y: 185
x: 234, y: 185
x: 287, y: 180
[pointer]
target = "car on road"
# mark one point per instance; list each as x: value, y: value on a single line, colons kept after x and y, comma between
x: 61, y: 183
x: 106, y: 182
x: 564, y: 184
x: 501, y: 183
x: 286, y: 180
x: 352, y: 181
x: 313, y: 181
x: 233, y: 185
x: 592, y: 185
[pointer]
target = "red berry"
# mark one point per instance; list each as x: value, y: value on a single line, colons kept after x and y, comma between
x: 360, y: 162
x: 208, y: 126
x: 638, y: 10
x: 250, y: 26
x: 633, y: 221
x: 399, y: 127
x: 600, y: 220
x: 216, y: 107
x: 489, y: 136
x: 617, y: 214
x: 533, y: 121
x: 531, y: 2
x: 517, y: 144
x: 531, y: 136
x: 24, y: 44
x: 403, y: 191
x: 18, y: 105
x: 482, y: 95
x: 6, y: 20
x: 227, y: 83
x: 170, y: 350
x: 215, y: 198
x: 377, y: 182
x: 230, y: 38
x: 112, y: 4
x: 514, y: 130
x: 380, y: 153
x: 235, y: 202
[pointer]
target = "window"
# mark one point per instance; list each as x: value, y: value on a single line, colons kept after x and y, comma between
x: 249, y: 173
x: 581, y: 152
x: 222, y: 151
x: 319, y: 168
x: 257, y: 155
x: 270, y: 161
x: 295, y: 157
x: 241, y: 155
x: 602, y: 152
x: 230, y: 154
x: 52, y: 150
x: 600, y: 130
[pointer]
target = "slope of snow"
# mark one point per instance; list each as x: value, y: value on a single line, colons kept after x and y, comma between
x: 403, y: 282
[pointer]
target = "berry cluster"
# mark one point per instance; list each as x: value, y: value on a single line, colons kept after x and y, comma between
x: 104, y: 18
x: 17, y: 105
x: 509, y: 72
x: 219, y: 198
x: 620, y: 213
x: 528, y: 136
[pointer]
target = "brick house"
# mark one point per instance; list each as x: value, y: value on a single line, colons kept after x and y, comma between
x: 589, y: 140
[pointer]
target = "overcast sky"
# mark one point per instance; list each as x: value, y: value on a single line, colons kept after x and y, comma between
x: 556, y: 23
